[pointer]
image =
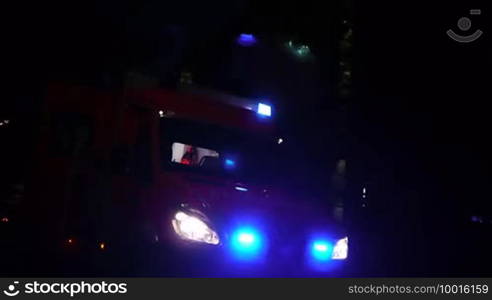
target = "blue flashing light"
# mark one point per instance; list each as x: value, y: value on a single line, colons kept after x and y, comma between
x: 321, y: 250
x: 246, y: 239
x: 319, y: 253
x: 241, y: 189
x: 247, y: 244
x: 246, y: 40
x: 229, y: 163
x: 264, y: 110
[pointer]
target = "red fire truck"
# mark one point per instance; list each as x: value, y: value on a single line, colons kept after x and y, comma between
x: 196, y: 177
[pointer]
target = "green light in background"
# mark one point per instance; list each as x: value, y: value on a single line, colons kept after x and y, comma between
x: 299, y: 50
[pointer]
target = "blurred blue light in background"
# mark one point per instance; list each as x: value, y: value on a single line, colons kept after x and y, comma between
x: 264, y: 110
x: 246, y: 40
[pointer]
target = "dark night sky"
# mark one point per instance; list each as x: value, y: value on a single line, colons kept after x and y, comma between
x: 424, y: 99
x: 88, y: 35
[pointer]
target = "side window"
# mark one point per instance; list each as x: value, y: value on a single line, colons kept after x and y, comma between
x: 72, y: 134
x: 191, y: 155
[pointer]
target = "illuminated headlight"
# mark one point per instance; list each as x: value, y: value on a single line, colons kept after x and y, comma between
x: 193, y: 228
x: 340, y: 250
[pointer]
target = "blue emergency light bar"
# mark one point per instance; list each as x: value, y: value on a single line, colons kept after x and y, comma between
x: 246, y: 40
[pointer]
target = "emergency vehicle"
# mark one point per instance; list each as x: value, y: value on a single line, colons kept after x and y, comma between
x: 192, y: 176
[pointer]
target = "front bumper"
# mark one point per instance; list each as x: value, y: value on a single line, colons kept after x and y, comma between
x: 186, y: 259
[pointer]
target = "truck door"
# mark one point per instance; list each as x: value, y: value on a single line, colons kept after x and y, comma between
x: 131, y: 176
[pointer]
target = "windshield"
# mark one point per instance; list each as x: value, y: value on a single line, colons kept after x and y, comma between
x: 207, y: 148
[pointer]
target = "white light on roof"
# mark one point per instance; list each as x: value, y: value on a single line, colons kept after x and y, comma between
x: 264, y: 109
x: 241, y: 189
x: 280, y: 141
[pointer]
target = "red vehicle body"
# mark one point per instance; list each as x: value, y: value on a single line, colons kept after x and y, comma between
x: 104, y: 177
x: 96, y: 124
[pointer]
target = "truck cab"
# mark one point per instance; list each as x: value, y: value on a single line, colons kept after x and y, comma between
x: 194, y: 173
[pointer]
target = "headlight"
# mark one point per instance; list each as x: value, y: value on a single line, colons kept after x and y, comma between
x: 340, y: 251
x: 193, y: 228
